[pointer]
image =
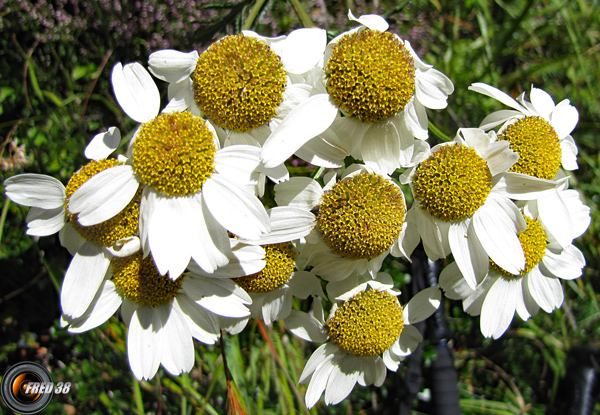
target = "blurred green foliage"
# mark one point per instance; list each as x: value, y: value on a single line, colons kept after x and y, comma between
x: 55, y: 95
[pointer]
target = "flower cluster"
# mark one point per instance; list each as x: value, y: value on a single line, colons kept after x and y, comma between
x: 174, y: 232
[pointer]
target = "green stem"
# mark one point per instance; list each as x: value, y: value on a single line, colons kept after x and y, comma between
x: 437, y: 132
x: 3, y: 216
x: 302, y: 15
x: 318, y: 173
x: 254, y: 11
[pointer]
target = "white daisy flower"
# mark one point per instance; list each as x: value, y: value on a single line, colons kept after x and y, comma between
x: 273, y: 287
x: 382, y: 88
x: 462, y: 204
x: 163, y: 315
x: 501, y: 293
x: 359, y: 220
x: 92, y: 246
x: 538, y: 130
x: 368, y: 331
x: 192, y: 191
x: 242, y: 84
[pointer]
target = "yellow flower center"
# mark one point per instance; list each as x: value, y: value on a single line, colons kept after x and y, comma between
x: 370, y: 75
x: 538, y: 146
x: 138, y: 280
x: 174, y: 153
x: 361, y: 216
x: 367, y: 324
x: 122, y: 225
x: 239, y: 83
x: 452, y: 183
x: 534, y: 242
x: 279, y: 268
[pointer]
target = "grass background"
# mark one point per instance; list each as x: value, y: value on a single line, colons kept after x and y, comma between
x: 55, y: 95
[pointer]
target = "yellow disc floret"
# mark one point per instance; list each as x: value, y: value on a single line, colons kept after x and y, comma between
x: 174, y: 153
x: 137, y: 279
x: 279, y: 268
x: 452, y: 183
x: 361, y: 216
x: 367, y: 324
x: 239, y: 83
x: 370, y: 75
x: 538, y: 146
x: 534, y: 242
x: 122, y: 225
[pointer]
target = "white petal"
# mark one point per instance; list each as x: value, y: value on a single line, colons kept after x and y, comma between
x: 168, y: 236
x: 104, y: 195
x: 468, y: 252
x: 36, y: 190
x: 564, y: 118
x: 135, y: 91
x: 331, y: 266
x: 422, y: 305
x: 520, y: 304
x: 171, y: 65
x: 238, y: 162
x: 210, y: 247
x: 181, y: 97
x: 244, y: 260
x: 221, y: 296
x: 499, y: 117
x: 305, y: 326
x: 499, y: 307
x: 125, y: 247
x: 304, y: 284
x: 391, y: 361
x: 497, y: 223
x: 201, y: 323
x: 433, y: 88
x: 287, y: 224
x: 303, y: 49
x: 472, y: 304
x: 546, y: 291
x: 453, y: 283
x: 323, y: 353
x: 83, y: 279
x: 70, y: 238
x: 495, y: 93
x: 238, y: 211
x: 415, y: 119
x: 429, y: 232
x: 408, y: 341
x: 567, y: 265
x: 144, y: 343
x: 381, y: 146
x: 318, y: 383
x: 104, y: 305
x: 44, y: 222
x: 321, y: 152
x: 556, y: 213
x: 372, y: 21
x: 519, y: 186
x: 277, y: 305
x: 300, y: 192
x: 304, y: 122
x: 342, y: 379
x: 103, y: 144
x: 542, y: 102
x: 178, y: 347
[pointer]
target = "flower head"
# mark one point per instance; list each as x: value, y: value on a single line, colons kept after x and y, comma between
x: 193, y: 192
x: 537, y: 129
x: 368, y: 331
